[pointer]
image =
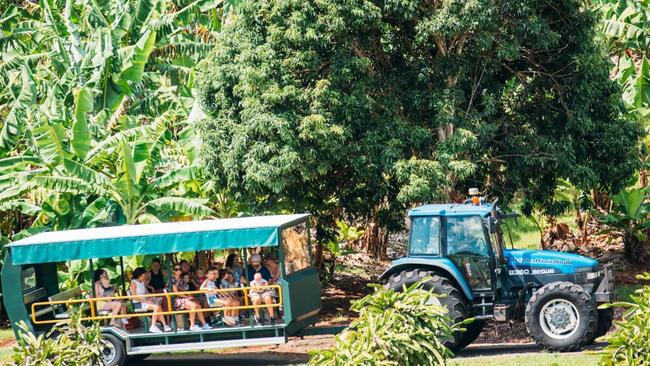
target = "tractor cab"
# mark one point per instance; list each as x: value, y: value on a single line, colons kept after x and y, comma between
x: 460, y: 246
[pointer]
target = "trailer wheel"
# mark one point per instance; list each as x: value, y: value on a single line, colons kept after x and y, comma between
x: 453, y: 301
x: 113, y: 351
x: 561, y: 316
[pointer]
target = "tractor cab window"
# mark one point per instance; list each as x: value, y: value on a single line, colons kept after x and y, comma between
x: 467, y: 247
x: 425, y: 235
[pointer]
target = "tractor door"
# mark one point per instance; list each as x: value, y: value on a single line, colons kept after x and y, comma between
x: 468, y: 247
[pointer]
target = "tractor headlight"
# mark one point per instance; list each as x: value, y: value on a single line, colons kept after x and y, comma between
x: 592, y: 275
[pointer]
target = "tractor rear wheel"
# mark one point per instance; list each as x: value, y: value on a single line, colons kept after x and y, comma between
x: 453, y: 301
x: 605, y: 319
x: 472, y: 331
x: 561, y: 316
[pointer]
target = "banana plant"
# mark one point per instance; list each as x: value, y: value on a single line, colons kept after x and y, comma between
x: 96, y: 99
x: 630, y: 214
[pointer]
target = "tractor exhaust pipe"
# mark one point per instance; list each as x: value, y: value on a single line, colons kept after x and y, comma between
x: 499, y: 238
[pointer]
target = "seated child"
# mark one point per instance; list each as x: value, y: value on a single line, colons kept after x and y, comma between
x: 214, y: 299
x: 228, y: 282
x: 259, y: 295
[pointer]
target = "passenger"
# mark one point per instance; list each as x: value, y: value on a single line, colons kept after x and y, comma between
x: 138, y: 288
x: 193, y: 283
x: 257, y: 267
x: 273, y: 266
x: 147, y: 281
x: 200, y: 276
x: 103, y: 288
x: 259, y: 295
x: 233, y: 264
x: 187, y: 302
x: 214, y: 298
x: 157, y: 277
x: 228, y: 282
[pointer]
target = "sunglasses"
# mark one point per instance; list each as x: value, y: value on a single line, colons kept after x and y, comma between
x: 177, y: 269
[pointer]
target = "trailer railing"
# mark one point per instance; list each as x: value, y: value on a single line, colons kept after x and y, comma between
x: 89, y: 305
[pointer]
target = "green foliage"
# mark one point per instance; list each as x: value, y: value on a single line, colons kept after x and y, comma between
x: 629, y: 344
x: 72, y: 344
x: 393, y: 328
x: 97, y: 112
x: 362, y: 108
x: 625, y: 27
x: 630, y: 215
x: 346, y: 235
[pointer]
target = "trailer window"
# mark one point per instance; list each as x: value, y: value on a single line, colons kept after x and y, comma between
x: 28, y: 277
x: 296, y: 248
x: 425, y: 236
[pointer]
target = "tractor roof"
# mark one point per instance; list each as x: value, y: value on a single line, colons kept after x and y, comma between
x: 453, y: 209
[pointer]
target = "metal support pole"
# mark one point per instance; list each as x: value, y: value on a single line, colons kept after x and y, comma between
x: 92, y: 276
x: 123, y: 278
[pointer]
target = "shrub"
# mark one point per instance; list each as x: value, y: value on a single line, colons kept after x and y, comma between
x: 71, y: 344
x: 630, y: 344
x: 393, y: 328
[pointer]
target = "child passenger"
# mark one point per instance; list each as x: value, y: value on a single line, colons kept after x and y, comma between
x: 260, y: 294
x: 216, y: 299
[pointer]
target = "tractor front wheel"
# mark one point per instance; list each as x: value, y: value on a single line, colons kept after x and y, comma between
x: 453, y: 301
x: 561, y: 316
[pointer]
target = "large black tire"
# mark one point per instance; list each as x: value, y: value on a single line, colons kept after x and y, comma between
x: 580, y: 304
x: 472, y: 331
x: 453, y: 301
x: 115, y: 350
x: 605, y: 319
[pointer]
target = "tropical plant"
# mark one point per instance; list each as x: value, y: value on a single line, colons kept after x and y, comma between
x: 393, y: 328
x: 346, y: 235
x: 98, y: 112
x: 625, y: 27
x: 364, y: 109
x: 630, y: 342
x: 71, y: 344
x: 630, y: 215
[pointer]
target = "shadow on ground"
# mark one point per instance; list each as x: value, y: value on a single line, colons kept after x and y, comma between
x: 235, y: 359
x: 482, y: 350
x: 289, y: 358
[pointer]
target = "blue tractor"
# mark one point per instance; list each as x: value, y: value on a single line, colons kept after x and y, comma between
x: 460, y: 247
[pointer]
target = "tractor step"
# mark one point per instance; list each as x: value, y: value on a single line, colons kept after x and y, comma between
x: 503, y: 313
x: 484, y: 305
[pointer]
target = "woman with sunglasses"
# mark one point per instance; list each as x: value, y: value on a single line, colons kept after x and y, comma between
x: 187, y: 302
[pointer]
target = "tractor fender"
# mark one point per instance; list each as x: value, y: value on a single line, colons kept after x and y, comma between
x: 443, y: 266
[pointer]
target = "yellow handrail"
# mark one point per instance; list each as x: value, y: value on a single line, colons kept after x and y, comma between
x: 168, y: 295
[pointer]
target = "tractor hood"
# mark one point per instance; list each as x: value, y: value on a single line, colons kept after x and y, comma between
x: 539, y: 262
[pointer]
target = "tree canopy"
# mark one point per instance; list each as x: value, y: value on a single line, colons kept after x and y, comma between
x: 363, y: 107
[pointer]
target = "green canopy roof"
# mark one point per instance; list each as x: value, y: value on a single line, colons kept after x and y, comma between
x: 173, y: 237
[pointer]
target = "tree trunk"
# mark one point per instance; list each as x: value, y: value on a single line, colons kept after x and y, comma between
x: 601, y: 200
x: 633, y: 248
x: 643, y: 177
x: 375, y: 241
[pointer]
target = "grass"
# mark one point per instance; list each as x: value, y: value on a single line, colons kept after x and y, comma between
x: 5, y: 355
x: 6, y: 334
x: 538, y: 359
x: 524, y: 232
